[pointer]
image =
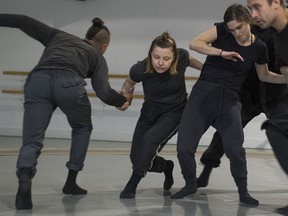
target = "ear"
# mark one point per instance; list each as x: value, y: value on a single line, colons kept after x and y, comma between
x: 104, y: 47
x: 276, y: 3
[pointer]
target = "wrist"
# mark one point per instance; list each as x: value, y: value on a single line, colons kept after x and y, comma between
x: 221, y: 53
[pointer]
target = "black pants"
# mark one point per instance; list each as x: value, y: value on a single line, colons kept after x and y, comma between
x: 277, y: 132
x: 213, y: 154
x: 156, y: 125
x: 46, y: 90
x: 214, y: 105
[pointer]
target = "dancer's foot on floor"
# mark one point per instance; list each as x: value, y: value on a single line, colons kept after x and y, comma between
x: 169, y: 181
x: 203, y: 179
x: 185, y: 191
x: 248, y: 200
x: 283, y: 210
x: 73, y: 189
x: 129, y: 191
x: 23, y: 196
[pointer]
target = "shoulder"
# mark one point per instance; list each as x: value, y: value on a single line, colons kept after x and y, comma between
x: 137, y: 71
x: 183, y: 53
x: 264, y: 34
x: 220, y: 27
x: 259, y: 44
x: 139, y: 66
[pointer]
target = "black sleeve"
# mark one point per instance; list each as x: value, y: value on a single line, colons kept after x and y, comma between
x: 102, y: 88
x: 34, y: 28
x: 137, y: 71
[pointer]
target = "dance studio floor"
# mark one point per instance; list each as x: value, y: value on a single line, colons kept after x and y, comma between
x: 107, y: 170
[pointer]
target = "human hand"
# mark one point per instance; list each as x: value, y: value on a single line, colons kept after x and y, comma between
x: 129, y: 97
x: 124, y: 106
x: 231, y: 55
x: 284, y: 70
x: 128, y: 102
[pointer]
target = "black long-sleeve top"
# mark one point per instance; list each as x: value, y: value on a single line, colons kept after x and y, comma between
x: 67, y: 52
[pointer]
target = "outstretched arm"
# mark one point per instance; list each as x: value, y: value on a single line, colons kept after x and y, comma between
x: 267, y: 76
x: 128, y: 89
x: 32, y: 27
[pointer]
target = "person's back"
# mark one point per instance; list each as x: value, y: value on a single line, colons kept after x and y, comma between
x: 58, y: 81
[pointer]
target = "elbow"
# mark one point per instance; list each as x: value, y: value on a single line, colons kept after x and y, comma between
x: 192, y: 45
x: 262, y: 77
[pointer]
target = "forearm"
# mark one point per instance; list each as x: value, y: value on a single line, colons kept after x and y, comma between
x: 128, y: 86
x: 194, y: 63
x: 272, y: 77
x: 204, y: 48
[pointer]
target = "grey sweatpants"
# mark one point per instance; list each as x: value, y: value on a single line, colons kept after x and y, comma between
x: 45, y: 90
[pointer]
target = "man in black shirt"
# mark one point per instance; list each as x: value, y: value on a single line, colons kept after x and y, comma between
x: 273, y: 13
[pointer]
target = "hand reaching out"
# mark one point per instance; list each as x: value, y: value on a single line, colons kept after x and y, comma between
x: 230, y: 55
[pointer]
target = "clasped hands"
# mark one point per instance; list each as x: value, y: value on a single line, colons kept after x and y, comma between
x: 128, y: 102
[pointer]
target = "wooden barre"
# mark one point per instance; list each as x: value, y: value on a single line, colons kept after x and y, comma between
x: 112, y: 76
x: 90, y: 94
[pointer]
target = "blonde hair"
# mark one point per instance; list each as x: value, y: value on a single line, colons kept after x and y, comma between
x: 163, y: 41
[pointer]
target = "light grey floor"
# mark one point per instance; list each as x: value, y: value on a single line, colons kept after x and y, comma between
x: 106, y: 171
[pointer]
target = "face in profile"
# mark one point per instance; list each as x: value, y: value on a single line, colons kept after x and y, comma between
x: 262, y: 12
x: 161, y: 59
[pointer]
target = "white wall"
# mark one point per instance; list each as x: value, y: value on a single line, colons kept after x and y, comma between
x: 133, y: 24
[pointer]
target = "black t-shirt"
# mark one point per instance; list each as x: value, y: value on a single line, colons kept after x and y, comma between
x: 281, y: 45
x: 162, y: 88
x: 229, y: 73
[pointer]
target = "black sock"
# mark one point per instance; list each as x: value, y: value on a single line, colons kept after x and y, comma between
x: 246, y: 198
x: 203, y: 179
x: 130, y: 188
x: 282, y: 210
x: 168, y: 172
x: 185, y: 191
x: 71, y: 186
x: 23, y: 196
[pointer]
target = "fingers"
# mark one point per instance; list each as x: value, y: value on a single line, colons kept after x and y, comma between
x: 234, y: 56
x: 239, y: 57
x: 124, y: 107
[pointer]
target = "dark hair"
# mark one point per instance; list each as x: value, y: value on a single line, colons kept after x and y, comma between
x: 163, y: 41
x: 239, y: 13
x: 98, y: 31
